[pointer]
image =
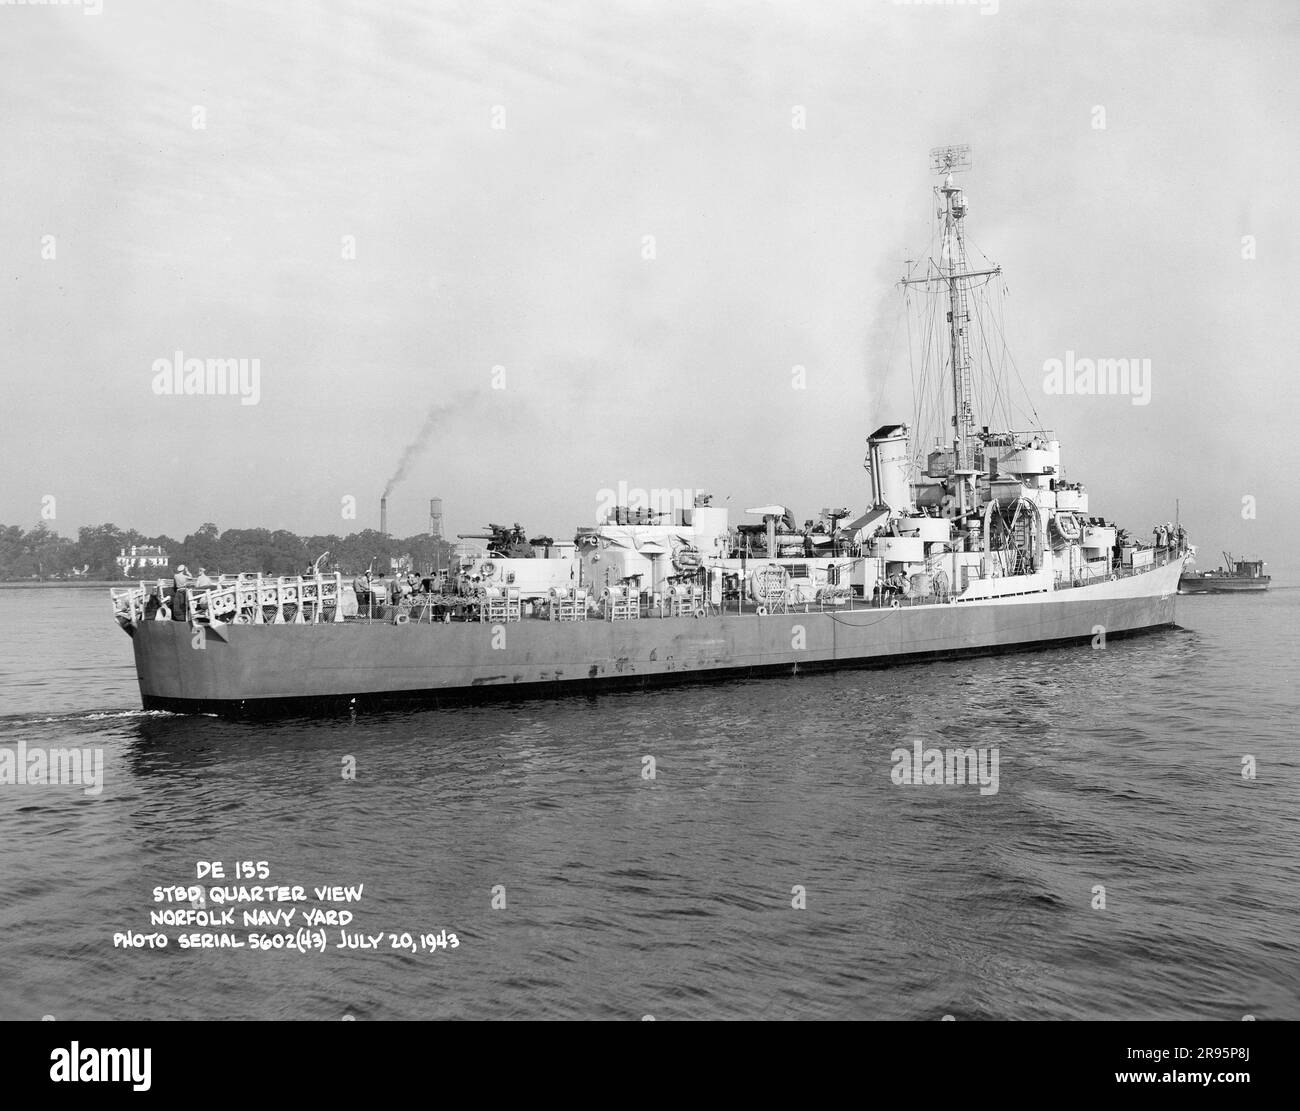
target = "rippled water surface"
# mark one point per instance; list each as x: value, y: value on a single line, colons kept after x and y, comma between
x: 672, y: 896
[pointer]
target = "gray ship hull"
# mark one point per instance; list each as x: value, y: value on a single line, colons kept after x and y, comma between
x: 260, y: 670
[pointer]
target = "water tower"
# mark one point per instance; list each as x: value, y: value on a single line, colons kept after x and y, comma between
x: 435, y: 518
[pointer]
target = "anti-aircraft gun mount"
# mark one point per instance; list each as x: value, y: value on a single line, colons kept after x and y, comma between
x: 505, y: 541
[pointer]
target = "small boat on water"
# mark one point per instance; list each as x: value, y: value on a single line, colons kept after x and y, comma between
x: 1234, y: 576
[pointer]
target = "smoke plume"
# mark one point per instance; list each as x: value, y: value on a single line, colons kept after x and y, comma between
x: 437, y: 411
x: 481, y: 412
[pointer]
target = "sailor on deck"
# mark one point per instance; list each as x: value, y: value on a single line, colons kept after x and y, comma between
x: 180, y: 584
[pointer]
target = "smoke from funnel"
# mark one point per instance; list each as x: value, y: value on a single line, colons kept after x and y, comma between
x: 473, y: 409
x: 415, y: 447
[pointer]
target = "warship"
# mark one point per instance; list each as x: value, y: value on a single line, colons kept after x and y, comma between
x: 971, y: 545
x: 1234, y: 577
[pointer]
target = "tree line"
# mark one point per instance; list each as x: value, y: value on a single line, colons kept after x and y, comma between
x: 42, y: 554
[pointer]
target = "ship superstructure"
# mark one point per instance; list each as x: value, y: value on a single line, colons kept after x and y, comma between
x: 980, y: 546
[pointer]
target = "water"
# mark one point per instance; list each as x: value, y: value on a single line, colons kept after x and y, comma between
x: 626, y: 896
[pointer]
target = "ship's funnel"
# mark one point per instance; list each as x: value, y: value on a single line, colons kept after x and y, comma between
x: 888, y: 463
x: 383, y: 516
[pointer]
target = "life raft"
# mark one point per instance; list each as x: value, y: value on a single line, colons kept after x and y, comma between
x: 769, y: 584
x: 1066, y: 526
x: 687, y: 559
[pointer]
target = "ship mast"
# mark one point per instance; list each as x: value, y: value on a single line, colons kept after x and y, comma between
x: 953, y: 272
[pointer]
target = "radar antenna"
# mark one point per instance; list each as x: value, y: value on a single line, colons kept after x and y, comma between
x: 947, y: 160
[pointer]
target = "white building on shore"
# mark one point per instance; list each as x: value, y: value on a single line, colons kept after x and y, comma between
x: 145, y: 557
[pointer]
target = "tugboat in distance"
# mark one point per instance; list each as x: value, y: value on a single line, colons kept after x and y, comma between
x: 1233, y: 577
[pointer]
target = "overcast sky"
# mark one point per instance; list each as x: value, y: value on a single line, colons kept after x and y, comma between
x: 499, y: 167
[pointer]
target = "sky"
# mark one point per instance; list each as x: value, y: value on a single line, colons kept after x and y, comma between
x: 586, y: 244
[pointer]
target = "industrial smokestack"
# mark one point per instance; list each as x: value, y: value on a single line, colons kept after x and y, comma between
x: 435, y: 518
x: 383, y: 516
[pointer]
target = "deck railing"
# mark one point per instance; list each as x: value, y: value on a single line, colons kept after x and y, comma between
x: 1088, y: 576
x: 303, y: 599
x: 236, y: 599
